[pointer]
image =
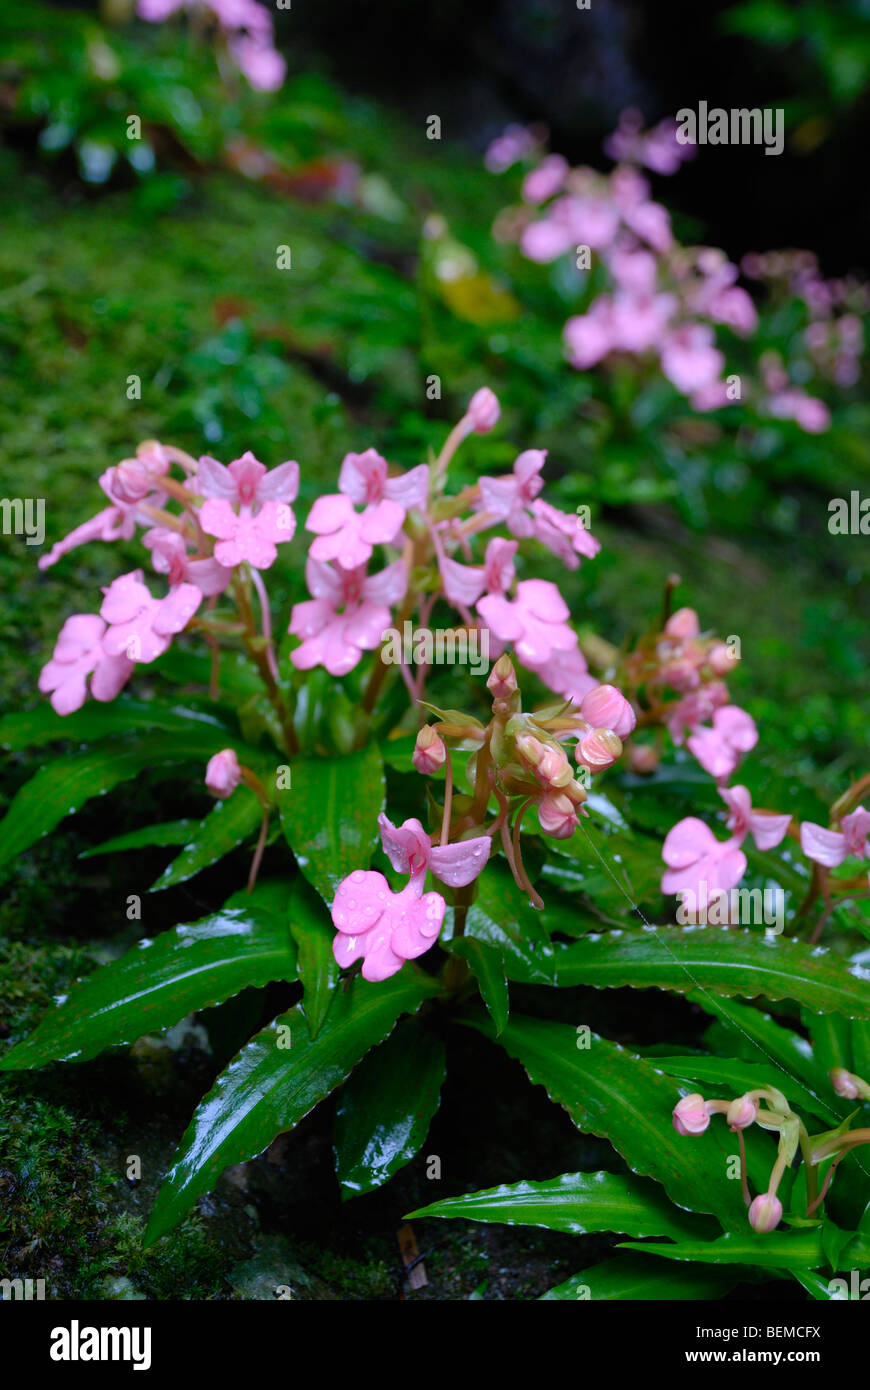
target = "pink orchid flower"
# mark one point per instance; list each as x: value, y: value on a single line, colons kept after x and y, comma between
x: 507, y: 499
x: 719, y: 749
x: 565, y: 535
x: 831, y: 847
x: 464, y: 584
x: 245, y: 537
x: 347, y: 536
x: 535, y: 622
x: 129, y: 485
x: 141, y: 627
x: 246, y: 482
x: 410, y: 851
x: 363, y: 478
x: 695, y: 857
x: 337, y: 639
x: 169, y: 556
x: 691, y: 711
x: 383, y: 927
x: 766, y: 827
x: 79, y: 653
x: 689, y: 358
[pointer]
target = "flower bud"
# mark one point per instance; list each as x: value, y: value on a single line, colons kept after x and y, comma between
x: 530, y: 749
x: 502, y: 680
x: 844, y: 1083
x: 691, y: 1115
x: 130, y: 480
x: 430, y: 751
x: 643, y: 758
x: 765, y: 1213
x: 554, y: 770
x: 721, y: 659
x: 223, y: 773
x: 684, y: 623
x: 599, y: 749
x: 557, y: 816
x: 741, y: 1112
x: 605, y: 707
x: 483, y: 410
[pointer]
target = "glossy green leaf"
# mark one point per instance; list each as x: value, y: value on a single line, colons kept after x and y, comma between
x: 96, y: 721
x: 275, y: 1080
x: 721, y: 959
x: 487, y: 966
x: 387, y: 1106
x: 859, y: 1040
x: 610, y: 1092
x: 158, y: 982
x: 314, y: 934
x: 62, y: 787
x: 173, y: 832
x: 502, y: 916
x: 830, y: 1038
x: 576, y: 1203
x: 631, y: 1277
x: 226, y: 826
x: 330, y: 815
x: 797, y: 1249
x: 817, y: 1286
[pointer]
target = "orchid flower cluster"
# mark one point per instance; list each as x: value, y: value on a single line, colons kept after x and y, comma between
x: 665, y: 300
x: 768, y: 1108
x: 245, y: 31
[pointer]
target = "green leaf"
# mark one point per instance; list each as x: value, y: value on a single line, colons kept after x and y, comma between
x: 859, y: 1039
x: 314, y: 934
x: 831, y: 1040
x: 96, y: 721
x: 275, y: 1080
x: 632, y: 1277
x: 330, y: 816
x: 798, y: 1249
x: 173, y: 832
x: 387, y: 1106
x: 576, y: 1203
x: 65, y: 785
x: 816, y: 1286
x: 226, y: 826
x: 158, y: 982
x: 502, y: 916
x: 720, y: 959
x: 488, y: 967
x: 621, y: 1097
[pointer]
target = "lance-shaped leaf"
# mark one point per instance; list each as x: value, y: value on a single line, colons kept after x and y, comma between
x: 487, y: 966
x: 330, y: 815
x: 634, y: 1278
x: 831, y: 1039
x: 226, y: 826
x: 158, y: 982
x: 502, y: 916
x: 314, y: 934
x: 577, y: 1203
x: 621, y: 1097
x: 278, y: 1078
x: 171, y: 832
x: 719, y: 959
x: 96, y: 721
x: 64, y: 786
x: 387, y: 1106
x: 796, y: 1249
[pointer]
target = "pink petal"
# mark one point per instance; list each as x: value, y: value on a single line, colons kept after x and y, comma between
x: 826, y: 847
x: 687, y: 841
x: 463, y: 584
x: 329, y: 513
x: 362, y: 477
x: 409, y: 489
x: 280, y: 484
x: 499, y: 495
x: 360, y: 900
x: 214, y: 480
x: 736, y: 726
x: 407, y: 846
x: 388, y: 586
x: 379, y: 524
x: 768, y: 830
x: 460, y: 863
x: 125, y: 597
x: 543, y: 599
x: 417, y: 923
x: 366, y: 624
x: 502, y: 616
x: 173, y: 613
x: 310, y: 617
x: 217, y: 518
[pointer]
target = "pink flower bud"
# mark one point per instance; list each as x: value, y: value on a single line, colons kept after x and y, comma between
x: 557, y: 816
x: 430, y: 751
x: 483, y: 410
x: 741, y: 1112
x: 530, y: 749
x: 131, y: 480
x: 502, y: 680
x: 684, y: 623
x: 721, y: 659
x: 223, y: 773
x: 643, y: 758
x: 765, y: 1213
x: 691, y: 1115
x: 605, y: 707
x: 599, y: 749
x: 554, y: 770
x: 844, y: 1084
